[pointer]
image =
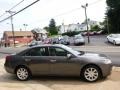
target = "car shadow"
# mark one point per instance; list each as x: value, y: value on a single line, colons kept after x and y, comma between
x: 47, y: 80
x: 110, y: 44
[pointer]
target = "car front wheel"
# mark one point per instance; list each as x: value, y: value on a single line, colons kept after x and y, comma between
x: 114, y: 42
x: 22, y: 73
x: 91, y: 73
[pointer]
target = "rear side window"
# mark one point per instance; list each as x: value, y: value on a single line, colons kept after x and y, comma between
x: 39, y: 51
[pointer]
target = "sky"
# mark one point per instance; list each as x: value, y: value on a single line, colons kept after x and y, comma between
x: 39, y: 15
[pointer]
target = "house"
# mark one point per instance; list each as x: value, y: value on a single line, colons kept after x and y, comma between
x: 39, y: 34
x: 73, y: 27
x: 77, y: 27
x: 21, y: 37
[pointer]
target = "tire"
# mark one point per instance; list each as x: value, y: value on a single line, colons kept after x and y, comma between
x: 114, y: 42
x: 22, y: 73
x: 91, y: 73
x: 108, y: 40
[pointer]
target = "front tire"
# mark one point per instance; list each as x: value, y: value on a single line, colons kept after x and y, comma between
x: 91, y: 73
x: 114, y: 42
x: 22, y: 73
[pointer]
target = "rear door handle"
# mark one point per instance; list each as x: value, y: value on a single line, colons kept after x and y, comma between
x: 27, y: 60
x: 52, y: 61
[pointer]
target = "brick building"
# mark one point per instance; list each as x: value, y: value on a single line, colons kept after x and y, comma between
x: 21, y: 37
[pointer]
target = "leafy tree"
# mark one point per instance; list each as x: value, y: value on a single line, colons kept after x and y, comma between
x: 52, y: 27
x: 46, y: 28
x: 113, y: 15
x: 71, y: 33
x: 95, y: 28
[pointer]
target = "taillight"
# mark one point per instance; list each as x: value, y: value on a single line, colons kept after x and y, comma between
x: 8, y: 57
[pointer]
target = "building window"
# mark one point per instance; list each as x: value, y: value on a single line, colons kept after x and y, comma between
x: 29, y: 36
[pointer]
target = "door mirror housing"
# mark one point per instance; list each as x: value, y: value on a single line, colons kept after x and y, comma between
x: 69, y: 56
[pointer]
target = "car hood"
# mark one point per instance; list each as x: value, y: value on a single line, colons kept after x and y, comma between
x: 93, y: 56
x: 118, y: 39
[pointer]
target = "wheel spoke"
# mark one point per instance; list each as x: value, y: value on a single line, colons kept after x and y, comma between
x: 91, y: 74
x: 22, y: 73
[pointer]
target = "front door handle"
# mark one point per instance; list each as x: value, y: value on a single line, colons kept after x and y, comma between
x: 27, y: 60
x: 52, y: 61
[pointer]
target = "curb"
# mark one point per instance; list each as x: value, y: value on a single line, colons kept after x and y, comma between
x: 116, y: 69
x: 5, y: 53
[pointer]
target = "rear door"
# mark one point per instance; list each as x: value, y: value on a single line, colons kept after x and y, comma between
x: 38, y: 61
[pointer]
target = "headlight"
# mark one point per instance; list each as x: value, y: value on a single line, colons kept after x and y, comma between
x: 107, y: 61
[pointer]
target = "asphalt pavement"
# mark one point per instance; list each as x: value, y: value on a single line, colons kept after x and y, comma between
x: 98, y: 44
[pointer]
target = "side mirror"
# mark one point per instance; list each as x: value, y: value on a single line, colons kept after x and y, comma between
x: 69, y: 56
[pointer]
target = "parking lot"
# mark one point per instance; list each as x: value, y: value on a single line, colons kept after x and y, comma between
x: 98, y: 44
x: 9, y: 82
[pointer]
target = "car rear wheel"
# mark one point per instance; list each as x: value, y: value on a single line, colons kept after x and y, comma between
x: 22, y: 73
x: 91, y: 73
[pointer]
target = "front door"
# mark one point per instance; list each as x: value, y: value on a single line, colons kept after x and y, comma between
x: 61, y: 65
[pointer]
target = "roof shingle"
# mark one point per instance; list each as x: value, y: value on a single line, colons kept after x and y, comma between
x: 19, y: 33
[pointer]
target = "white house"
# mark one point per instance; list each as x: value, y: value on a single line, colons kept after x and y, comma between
x: 77, y: 27
x: 40, y: 34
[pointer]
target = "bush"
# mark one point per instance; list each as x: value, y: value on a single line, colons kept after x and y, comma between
x: 71, y: 33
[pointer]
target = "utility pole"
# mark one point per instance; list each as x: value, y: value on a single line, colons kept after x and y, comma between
x: 85, y: 7
x: 107, y: 20
x: 25, y: 25
x: 108, y: 26
x: 13, y: 33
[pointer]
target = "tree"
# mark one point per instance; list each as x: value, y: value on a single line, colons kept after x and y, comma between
x: 46, y: 28
x: 95, y: 28
x: 105, y: 26
x: 52, y: 27
x: 113, y: 15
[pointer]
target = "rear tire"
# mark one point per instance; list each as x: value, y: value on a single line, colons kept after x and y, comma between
x: 91, y: 73
x: 22, y: 73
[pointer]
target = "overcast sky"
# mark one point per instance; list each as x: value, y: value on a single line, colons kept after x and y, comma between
x: 39, y: 15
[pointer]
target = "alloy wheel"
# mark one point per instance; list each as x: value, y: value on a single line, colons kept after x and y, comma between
x: 22, y: 73
x: 91, y: 73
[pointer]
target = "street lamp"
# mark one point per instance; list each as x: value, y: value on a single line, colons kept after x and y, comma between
x: 85, y: 7
x: 25, y: 25
x: 13, y: 33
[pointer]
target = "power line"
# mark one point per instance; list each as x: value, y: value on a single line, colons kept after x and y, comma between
x: 77, y: 9
x: 20, y: 10
x: 12, y: 7
x: 95, y: 2
x: 16, y: 5
x: 64, y: 13
x: 49, y: 17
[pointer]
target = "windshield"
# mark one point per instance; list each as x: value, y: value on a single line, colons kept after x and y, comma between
x: 116, y: 35
x: 75, y: 52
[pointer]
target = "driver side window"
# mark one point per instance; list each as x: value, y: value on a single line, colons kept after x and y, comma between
x: 56, y: 51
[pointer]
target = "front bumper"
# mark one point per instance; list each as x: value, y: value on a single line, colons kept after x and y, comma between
x: 106, y: 69
x: 118, y: 42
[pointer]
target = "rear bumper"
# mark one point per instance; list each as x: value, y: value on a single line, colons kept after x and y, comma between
x: 9, y: 69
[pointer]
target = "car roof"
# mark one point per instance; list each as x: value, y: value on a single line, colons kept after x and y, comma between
x: 115, y: 34
x: 48, y: 45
